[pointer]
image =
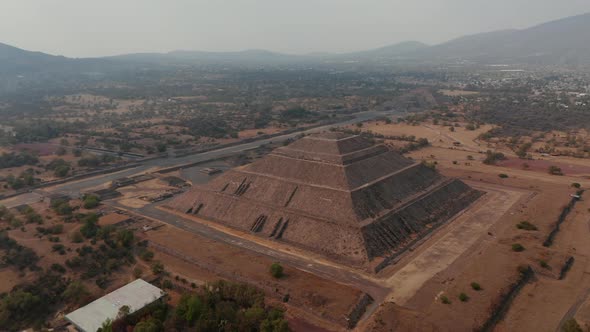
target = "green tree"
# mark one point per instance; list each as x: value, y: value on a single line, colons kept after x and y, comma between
x: 107, y: 326
x: 150, y: 325
x: 61, y: 171
x: 125, y: 237
x: 276, y: 270
x: 76, y: 292
x: 91, y: 201
x: 90, y: 227
x: 157, y: 268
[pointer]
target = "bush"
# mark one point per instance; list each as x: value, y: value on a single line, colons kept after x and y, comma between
x: 62, y: 207
x: 58, y: 268
x: 276, y: 270
x: 571, y: 325
x: 167, y: 284
x: 576, y: 185
x: 544, y: 264
x: 527, y: 226
x: 91, y: 201
x: 493, y: 157
x: 463, y: 297
x: 475, y: 286
x: 554, y: 170
x: 61, y: 171
x: 444, y: 299
x: 517, y: 247
x: 90, y: 227
x: 146, y: 255
x: 502, y: 175
x: 157, y: 268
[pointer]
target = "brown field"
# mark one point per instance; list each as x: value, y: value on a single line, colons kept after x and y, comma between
x: 212, y: 259
x: 446, y: 264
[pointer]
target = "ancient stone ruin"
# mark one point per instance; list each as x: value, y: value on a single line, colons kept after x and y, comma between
x: 335, y: 194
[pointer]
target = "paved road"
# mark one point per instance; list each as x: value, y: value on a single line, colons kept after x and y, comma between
x: 74, y: 188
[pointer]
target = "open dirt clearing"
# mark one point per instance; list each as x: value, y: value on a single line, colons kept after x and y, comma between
x: 317, y: 296
x: 461, y: 234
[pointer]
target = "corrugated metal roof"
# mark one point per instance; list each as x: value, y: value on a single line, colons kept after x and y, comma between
x: 136, y: 295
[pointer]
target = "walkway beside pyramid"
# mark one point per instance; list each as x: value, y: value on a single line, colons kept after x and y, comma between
x: 335, y: 194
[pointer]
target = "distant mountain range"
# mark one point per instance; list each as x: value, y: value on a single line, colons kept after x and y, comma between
x: 561, y: 42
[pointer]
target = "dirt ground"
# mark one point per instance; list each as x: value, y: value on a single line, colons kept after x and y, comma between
x: 210, y: 259
x: 547, y: 302
x: 132, y: 195
x: 489, y: 259
x: 10, y: 278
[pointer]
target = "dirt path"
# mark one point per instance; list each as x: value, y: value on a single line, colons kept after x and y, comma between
x: 466, y: 230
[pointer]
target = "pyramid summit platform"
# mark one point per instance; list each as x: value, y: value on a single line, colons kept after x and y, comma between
x: 335, y: 194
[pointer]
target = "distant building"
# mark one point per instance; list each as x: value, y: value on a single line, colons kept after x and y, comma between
x: 136, y: 295
x: 7, y: 130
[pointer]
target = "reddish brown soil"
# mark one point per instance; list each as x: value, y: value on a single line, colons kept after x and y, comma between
x: 314, y: 295
x: 42, y: 149
x: 543, y: 166
x: 489, y: 262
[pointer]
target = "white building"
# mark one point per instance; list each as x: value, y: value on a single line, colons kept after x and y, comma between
x: 136, y: 295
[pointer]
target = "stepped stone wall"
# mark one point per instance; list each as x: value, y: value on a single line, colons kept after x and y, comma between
x: 334, y: 194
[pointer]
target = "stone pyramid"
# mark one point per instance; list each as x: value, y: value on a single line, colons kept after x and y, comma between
x: 335, y: 194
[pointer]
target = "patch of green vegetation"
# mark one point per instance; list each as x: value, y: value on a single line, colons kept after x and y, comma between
x: 517, y: 247
x: 527, y: 226
x: 571, y: 325
x: 554, y: 170
x: 90, y: 201
x: 475, y: 286
x: 276, y: 270
x: 463, y: 297
x: 493, y: 157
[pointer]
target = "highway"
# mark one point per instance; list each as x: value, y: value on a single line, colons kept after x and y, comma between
x: 75, y: 188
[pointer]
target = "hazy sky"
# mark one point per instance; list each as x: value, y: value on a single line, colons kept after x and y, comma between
x: 106, y: 27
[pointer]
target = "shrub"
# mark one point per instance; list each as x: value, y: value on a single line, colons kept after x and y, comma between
x: 527, y: 226
x: 167, y: 284
x: 276, y: 270
x: 493, y: 157
x: 90, y: 227
x: 571, y: 325
x: 544, y: 264
x: 58, y: 268
x: 91, y: 201
x: 157, y: 268
x: 502, y: 175
x: 475, y: 286
x: 463, y: 297
x: 576, y: 185
x: 146, y: 255
x: 517, y: 247
x: 554, y: 170
x: 444, y: 299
